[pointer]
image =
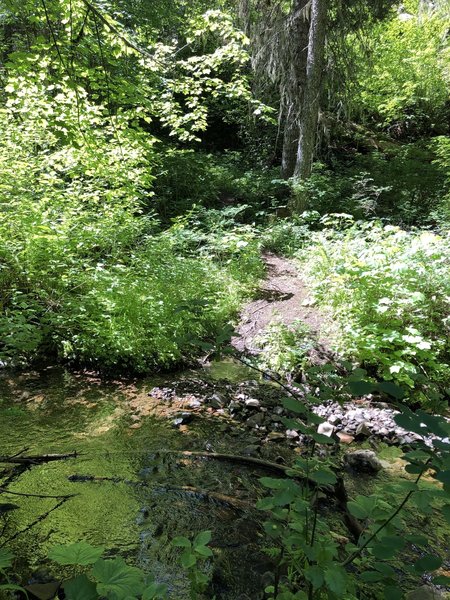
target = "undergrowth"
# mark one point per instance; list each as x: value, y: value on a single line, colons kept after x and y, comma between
x: 389, y: 292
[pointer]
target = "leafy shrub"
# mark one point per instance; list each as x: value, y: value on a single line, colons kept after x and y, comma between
x: 284, y: 349
x: 403, y: 185
x: 186, y: 178
x: 389, y: 290
x: 84, y: 274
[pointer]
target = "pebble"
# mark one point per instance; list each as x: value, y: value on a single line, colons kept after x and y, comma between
x: 252, y: 402
x: 326, y: 429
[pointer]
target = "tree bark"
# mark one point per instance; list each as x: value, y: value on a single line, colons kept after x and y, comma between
x: 293, y: 84
x: 311, y: 97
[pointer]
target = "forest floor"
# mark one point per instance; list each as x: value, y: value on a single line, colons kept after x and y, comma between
x: 286, y: 298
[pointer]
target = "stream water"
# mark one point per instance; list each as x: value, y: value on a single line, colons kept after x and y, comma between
x: 136, y: 516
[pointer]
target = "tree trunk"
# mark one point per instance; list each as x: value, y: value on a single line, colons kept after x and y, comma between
x: 293, y: 84
x: 311, y: 97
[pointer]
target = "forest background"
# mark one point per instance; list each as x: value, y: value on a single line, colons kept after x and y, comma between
x: 153, y: 153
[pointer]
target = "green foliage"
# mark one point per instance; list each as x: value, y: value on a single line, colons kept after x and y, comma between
x: 195, y: 553
x: 389, y: 292
x: 284, y: 348
x: 187, y: 178
x: 402, y: 184
x: 403, y: 85
x: 310, y: 563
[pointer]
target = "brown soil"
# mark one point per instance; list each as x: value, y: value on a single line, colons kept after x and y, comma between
x: 284, y: 297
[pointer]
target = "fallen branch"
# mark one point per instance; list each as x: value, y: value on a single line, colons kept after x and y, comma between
x: 36, y: 460
x: 6, y: 491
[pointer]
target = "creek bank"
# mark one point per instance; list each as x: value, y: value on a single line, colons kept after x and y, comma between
x: 256, y: 407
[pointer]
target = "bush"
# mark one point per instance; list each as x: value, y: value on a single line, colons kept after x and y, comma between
x: 389, y: 290
x: 85, y: 275
x: 403, y: 185
x: 188, y: 179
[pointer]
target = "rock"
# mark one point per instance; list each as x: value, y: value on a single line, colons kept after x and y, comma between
x: 252, y: 402
x: 326, y: 429
x: 365, y: 461
x: 255, y: 420
x: 425, y: 592
x: 278, y: 410
x: 344, y: 437
x: 363, y: 431
x: 182, y: 419
x: 217, y: 401
x: 274, y: 436
x: 251, y: 450
x: 292, y: 434
x: 334, y: 419
x: 195, y: 404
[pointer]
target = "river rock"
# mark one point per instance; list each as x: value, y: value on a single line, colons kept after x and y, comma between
x: 252, y: 402
x: 365, y: 461
x: 425, y: 592
x: 217, y: 401
x: 274, y: 436
x: 363, y: 431
x: 326, y: 429
x: 345, y: 438
x: 182, y: 419
x: 255, y: 420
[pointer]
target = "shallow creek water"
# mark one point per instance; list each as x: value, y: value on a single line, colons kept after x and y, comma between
x: 119, y: 431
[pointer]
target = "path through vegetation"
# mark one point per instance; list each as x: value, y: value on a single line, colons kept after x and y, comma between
x: 283, y: 297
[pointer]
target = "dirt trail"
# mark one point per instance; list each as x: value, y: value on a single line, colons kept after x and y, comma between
x: 284, y: 297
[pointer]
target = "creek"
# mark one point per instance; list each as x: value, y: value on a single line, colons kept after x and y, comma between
x: 121, y: 432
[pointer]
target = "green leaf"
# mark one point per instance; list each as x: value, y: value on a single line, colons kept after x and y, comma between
x: 392, y: 592
x: 181, y: 542
x: 336, y: 579
x: 6, y: 558
x: 387, y: 570
x: 155, y: 591
x: 323, y: 477
x: 188, y: 559
x: 442, y: 580
x: 80, y: 588
x: 322, y: 439
x: 116, y: 578
x: 388, y: 547
x: 444, y: 477
x: 274, y: 484
x: 203, y: 550
x: 357, y: 510
x: 410, y: 422
x: 203, y: 538
x: 429, y: 562
x: 418, y: 540
x: 361, y: 388
x: 372, y: 576
x: 315, y: 575
x: 79, y: 553
x: 390, y: 388
x: 294, y: 406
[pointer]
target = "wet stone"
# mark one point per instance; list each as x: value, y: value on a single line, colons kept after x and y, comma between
x: 365, y: 461
x: 255, y: 420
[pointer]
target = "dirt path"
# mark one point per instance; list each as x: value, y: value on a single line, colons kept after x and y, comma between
x: 283, y: 296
